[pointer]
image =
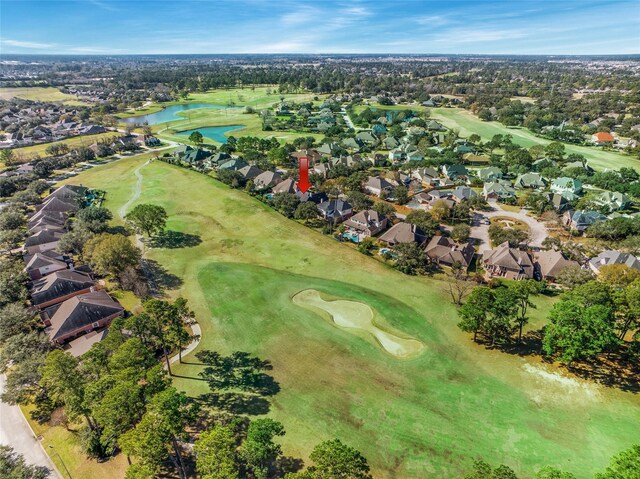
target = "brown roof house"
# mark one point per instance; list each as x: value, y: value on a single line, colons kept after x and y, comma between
x: 444, y: 251
x: 80, y: 314
x: 59, y: 286
x: 41, y: 264
x: 74, y: 193
x: 506, y: 262
x: 367, y: 222
x: 376, y: 185
x: 43, y: 240
x: 286, y: 186
x: 404, y: 233
x: 56, y: 205
x: 267, y: 179
x: 548, y: 264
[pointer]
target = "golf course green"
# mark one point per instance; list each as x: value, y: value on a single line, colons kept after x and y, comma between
x: 425, y: 415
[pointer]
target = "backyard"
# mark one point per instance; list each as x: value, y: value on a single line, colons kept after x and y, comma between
x: 429, y: 414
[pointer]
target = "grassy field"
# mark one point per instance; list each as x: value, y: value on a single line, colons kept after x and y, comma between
x: 428, y: 416
x: 28, y: 152
x: 203, y: 117
x: 39, y: 94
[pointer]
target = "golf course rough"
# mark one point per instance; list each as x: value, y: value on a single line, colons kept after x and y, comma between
x: 359, y: 316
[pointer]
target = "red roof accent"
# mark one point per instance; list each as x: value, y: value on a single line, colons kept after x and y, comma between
x: 604, y: 137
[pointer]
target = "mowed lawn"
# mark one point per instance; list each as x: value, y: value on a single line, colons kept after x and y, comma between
x: 424, y: 417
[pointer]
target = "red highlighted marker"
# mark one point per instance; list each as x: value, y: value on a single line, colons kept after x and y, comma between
x: 303, y: 182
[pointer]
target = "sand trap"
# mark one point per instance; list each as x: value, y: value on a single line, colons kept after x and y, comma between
x: 355, y: 315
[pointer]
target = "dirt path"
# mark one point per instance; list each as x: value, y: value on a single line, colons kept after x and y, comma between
x: 137, y: 191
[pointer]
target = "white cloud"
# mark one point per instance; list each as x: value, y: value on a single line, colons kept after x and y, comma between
x: 30, y: 45
x: 301, y: 16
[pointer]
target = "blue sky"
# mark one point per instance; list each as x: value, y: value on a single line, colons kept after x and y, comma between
x: 323, y: 26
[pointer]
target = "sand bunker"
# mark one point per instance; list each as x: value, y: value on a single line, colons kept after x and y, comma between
x: 355, y: 315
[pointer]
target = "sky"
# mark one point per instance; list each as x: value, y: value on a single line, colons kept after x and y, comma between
x: 552, y: 27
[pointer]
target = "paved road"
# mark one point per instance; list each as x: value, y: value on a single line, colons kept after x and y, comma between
x: 537, y: 230
x: 15, y: 432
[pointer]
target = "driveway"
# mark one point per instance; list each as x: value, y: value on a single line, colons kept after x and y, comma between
x: 16, y: 432
x: 480, y: 232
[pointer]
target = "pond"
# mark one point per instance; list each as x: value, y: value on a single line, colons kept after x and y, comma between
x: 169, y: 114
x: 215, y: 133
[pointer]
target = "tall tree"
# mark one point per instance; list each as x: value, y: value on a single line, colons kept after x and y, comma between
x: 524, y: 290
x: 148, y: 219
x: 111, y: 254
x: 215, y: 452
x: 259, y: 450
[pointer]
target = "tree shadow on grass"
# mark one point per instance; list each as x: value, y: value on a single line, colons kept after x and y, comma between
x: 235, y: 403
x: 530, y: 345
x: 174, y: 240
x: 159, y: 278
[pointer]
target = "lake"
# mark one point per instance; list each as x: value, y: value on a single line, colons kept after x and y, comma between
x: 169, y: 114
x: 215, y: 133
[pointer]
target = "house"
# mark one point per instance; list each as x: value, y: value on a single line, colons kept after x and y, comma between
x: 286, y: 186
x: 59, y: 286
x: 335, y: 210
x: 75, y: 193
x: 249, y: 172
x: 367, y: 222
x: 316, y: 197
x: 404, y: 233
x: 48, y: 217
x: 426, y: 176
x: 602, y: 138
x: 43, y: 240
x: 580, y: 220
x: 490, y: 173
x: 267, y: 179
x: 80, y: 314
x: 414, y: 156
x: 313, y: 155
x: 455, y: 172
x: 506, y: 262
x: 548, y: 264
x: 463, y: 193
x: 376, y: 185
x: 378, y: 129
x: 56, y: 205
x: 234, y: 164
x: 443, y: 251
x: 612, y: 201
x: 322, y: 169
x: 46, y: 223
x: 352, y: 143
x: 194, y: 156
x: 559, y: 202
x: 41, y: 264
x: 390, y: 143
x: 214, y: 161
x: 570, y: 188
x: 397, y: 154
x: 530, y: 180
x: 610, y: 257
x: 498, y: 190
x: 366, y: 137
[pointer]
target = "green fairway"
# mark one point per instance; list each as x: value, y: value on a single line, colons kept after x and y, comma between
x: 467, y: 123
x: 425, y: 416
x: 256, y: 98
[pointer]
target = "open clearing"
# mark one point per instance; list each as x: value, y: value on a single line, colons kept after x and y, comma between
x: 39, y: 94
x: 358, y: 316
x: 426, y: 416
x: 28, y: 152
